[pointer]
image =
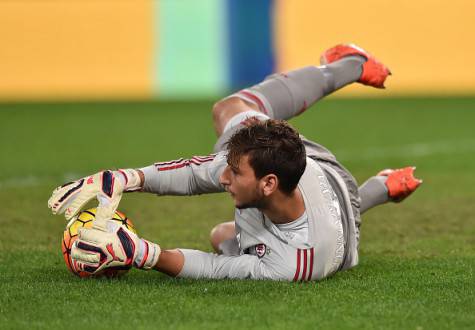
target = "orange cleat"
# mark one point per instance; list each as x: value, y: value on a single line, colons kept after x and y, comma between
x: 374, y: 72
x: 400, y: 183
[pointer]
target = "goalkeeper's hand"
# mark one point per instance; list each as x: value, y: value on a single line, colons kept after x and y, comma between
x: 106, y: 186
x: 116, y: 247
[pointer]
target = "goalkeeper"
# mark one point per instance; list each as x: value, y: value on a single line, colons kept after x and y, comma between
x: 298, y: 209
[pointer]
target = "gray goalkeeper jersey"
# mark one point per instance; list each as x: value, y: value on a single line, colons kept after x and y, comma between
x: 312, y: 247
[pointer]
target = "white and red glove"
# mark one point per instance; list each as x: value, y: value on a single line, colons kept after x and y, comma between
x: 116, y: 247
x: 106, y: 186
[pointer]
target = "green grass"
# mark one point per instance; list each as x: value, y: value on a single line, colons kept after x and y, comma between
x: 417, y: 258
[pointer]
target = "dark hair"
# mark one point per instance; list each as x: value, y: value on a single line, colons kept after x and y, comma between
x: 274, y: 147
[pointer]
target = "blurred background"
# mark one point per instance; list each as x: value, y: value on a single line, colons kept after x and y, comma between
x: 142, y: 50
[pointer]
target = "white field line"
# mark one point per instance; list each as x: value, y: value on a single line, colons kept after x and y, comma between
x: 32, y: 180
x: 416, y: 150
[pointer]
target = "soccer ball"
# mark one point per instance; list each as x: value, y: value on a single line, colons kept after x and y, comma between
x: 84, y: 219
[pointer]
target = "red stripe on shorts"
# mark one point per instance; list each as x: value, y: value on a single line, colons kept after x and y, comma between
x: 312, y: 251
x: 255, y: 99
x: 304, y: 272
x: 297, y: 272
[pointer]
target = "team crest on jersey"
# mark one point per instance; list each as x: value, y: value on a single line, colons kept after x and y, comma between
x: 261, y: 250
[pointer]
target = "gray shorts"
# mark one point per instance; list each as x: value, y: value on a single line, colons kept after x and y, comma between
x: 321, y: 155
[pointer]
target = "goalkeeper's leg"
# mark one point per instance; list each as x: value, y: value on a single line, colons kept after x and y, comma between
x: 388, y: 185
x: 283, y: 96
x: 223, y: 239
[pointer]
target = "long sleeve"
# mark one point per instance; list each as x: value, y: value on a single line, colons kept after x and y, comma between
x: 194, y: 176
x: 200, y: 264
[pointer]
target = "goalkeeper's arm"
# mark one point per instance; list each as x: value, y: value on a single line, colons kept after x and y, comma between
x: 185, y: 263
x: 197, y: 175
x: 192, y: 176
x: 113, y: 246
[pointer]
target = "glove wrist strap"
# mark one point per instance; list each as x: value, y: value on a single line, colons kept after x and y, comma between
x: 147, y: 255
x: 131, y: 179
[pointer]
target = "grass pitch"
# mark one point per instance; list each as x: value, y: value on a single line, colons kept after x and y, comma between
x: 417, y: 258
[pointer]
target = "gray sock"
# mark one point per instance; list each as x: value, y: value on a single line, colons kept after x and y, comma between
x: 283, y: 96
x: 373, y: 192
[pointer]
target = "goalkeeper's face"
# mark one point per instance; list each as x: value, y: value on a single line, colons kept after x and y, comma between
x: 241, y: 183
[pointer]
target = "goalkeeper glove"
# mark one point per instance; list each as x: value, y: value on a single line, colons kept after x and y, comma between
x: 116, y: 247
x: 106, y: 186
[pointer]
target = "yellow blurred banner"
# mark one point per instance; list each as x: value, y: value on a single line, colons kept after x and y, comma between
x: 75, y: 49
x: 108, y: 49
x: 428, y: 44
